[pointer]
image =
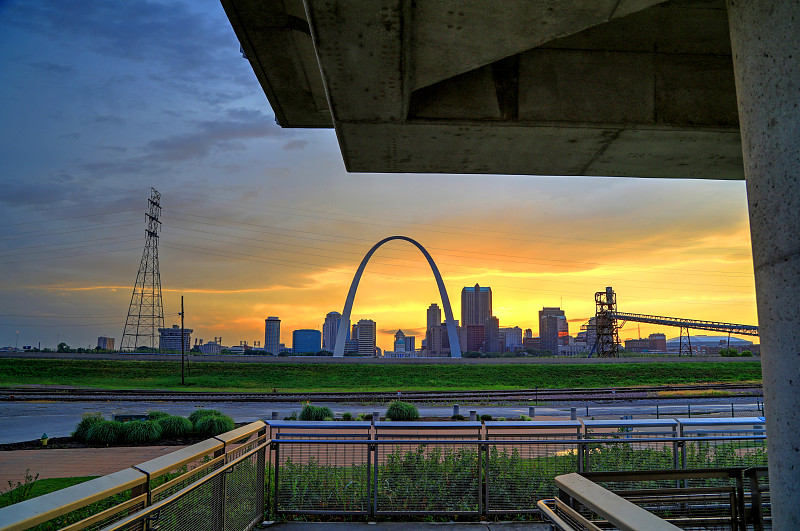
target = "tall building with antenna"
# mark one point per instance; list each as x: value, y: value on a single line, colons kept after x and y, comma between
x: 146, y: 311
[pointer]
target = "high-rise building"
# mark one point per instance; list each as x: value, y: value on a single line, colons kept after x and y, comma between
x: 306, y: 340
x: 476, y: 305
x: 548, y: 333
x: 170, y: 338
x: 410, y: 343
x: 272, y: 335
x: 512, y: 338
x: 528, y: 333
x: 434, y: 315
x: 491, y: 341
x: 105, y: 343
x: 329, y: 330
x: 476, y: 335
x: 367, y: 332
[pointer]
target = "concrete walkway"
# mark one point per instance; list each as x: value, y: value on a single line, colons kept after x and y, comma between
x: 401, y: 526
x: 69, y: 462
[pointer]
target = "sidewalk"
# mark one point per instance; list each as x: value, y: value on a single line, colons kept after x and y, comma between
x: 69, y: 462
x: 402, y: 526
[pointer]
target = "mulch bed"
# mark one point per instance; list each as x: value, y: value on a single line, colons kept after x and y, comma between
x: 69, y: 442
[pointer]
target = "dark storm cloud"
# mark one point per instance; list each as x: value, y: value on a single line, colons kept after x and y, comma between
x: 295, y: 144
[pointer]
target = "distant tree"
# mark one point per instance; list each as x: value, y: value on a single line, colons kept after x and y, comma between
x: 195, y: 349
x: 63, y: 347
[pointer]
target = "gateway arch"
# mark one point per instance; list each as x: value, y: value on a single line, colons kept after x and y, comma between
x: 344, y: 324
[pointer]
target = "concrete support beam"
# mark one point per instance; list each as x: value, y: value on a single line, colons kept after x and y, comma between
x: 765, y: 38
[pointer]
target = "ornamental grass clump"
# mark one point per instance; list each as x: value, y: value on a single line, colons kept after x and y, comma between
x: 105, y: 433
x: 141, y: 431
x: 173, y: 426
x: 87, y: 421
x: 310, y: 412
x: 157, y: 415
x: 211, y: 425
x: 402, y: 411
x: 197, y: 414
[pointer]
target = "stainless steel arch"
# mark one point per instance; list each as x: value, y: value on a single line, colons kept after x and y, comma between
x: 344, y: 324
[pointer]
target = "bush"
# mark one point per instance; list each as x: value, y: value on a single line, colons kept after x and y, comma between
x: 347, y: 416
x: 315, y: 412
x: 293, y: 416
x: 105, y: 433
x: 458, y: 416
x: 157, y: 415
x: 486, y: 417
x: 175, y: 427
x: 197, y: 414
x: 501, y: 419
x: 141, y: 431
x: 526, y: 417
x: 365, y: 416
x: 402, y: 411
x: 87, y: 421
x: 211, y: 425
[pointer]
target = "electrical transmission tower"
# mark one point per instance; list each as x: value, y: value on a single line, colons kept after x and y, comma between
x: 146, y: 312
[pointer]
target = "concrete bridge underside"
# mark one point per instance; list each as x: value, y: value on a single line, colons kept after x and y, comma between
x: 640, y: 88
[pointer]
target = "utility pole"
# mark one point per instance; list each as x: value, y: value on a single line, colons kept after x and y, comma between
x: 183, y: 347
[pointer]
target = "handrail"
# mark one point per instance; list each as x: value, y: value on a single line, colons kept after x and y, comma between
x: 43, y: 508
x: 617, y: 510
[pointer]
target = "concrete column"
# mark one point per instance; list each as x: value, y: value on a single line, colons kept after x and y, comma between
x: 455, y: 409
x: 765, y: 40
x: 531, y: 411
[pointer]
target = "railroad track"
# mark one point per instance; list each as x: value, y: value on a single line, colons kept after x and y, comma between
x: 479, y: 396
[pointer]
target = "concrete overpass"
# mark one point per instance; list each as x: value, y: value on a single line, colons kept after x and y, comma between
x: 639, y: 88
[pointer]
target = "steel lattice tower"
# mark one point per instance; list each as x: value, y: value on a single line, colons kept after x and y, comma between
x: 146, y: 312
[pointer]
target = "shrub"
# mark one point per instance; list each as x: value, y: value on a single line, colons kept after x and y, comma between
x: 458, y: 416
x: 365, y: 416
x: 87, y: 421
x: 328, y: 419
x: 310, y: 412
x: 293, y: 416
x: 211, y: 425
x: 501, y: 419
x: 157, y: 415
x: 141, y: 431
x: 197, y: 414
x: 347, y: 416
x: 105, y: 433
x: 402, y: 411
x: 174, y: 427
x: 526, y: 417
x: 486, y: 417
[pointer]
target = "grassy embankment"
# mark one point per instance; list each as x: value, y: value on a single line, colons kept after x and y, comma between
x: 291, y: 377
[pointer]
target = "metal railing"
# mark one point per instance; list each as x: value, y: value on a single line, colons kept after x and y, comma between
x: 103, y: 501
x: 382, y: 468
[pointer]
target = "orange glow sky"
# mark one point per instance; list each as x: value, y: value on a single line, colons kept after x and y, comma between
x: 261, y: 221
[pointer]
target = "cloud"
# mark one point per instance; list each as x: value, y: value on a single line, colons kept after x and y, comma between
x: 295, y: 144
x: 108, y: 120
x: 53, y: 68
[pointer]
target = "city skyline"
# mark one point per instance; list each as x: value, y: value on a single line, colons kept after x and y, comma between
x: 260, y: 221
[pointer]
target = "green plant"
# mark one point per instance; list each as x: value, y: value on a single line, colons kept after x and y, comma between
x: 501, y: 419
x: 347, y: 416
x: 157, y: 415
x: 486, y: 417
x: 87, y: 421
x: 524, y: 417
x: 398, y: 410
x: 310, y: 412
x: 174, y: 426
x: 141, y: 431
x: 458, y: 416
x: 105, y: 433
x: 197, y: 414
x: 293, y: 416
x: 21, y: 490
x: 212, y: 425
x: 328, y: 419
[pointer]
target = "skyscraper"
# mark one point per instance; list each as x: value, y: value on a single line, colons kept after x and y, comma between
x: 366, y: 337
x: 552, y: 326
x: 476, y: 335
x: 305, y: 341
x: 434, y: 320
x: 434, y: 315
x: 476, y: 305
x: 512, y: 338
x: 491, y: 342
x: 330, y: 329
x: 272, y: 335
x: 410, y: 343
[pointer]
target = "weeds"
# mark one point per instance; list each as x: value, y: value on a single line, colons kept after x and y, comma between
x: 19, y: 491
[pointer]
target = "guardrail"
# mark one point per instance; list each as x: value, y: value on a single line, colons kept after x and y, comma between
x: 104, y: 500
x: 382, y: 468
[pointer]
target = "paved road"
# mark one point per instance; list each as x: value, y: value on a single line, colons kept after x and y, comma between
x: 24, y: 421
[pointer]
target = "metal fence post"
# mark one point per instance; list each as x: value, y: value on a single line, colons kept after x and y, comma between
x: 581, y: 454
x: 483, y: 479
x: 370, y: 450
x: 276, y: 453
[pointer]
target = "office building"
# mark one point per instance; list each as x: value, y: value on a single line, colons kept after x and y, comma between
x: 105, y: 343
x: 212, y: 347
x: 351, y: 346
x: 476, y: 305
x: 548, y: 333
x: 170, y: 338
x: 329, y: 330
x: 476, y: 335
x: 306, y: 340
x: 366, y: 334
x: 512, y: 338
x: 399, y: 341
x: 434, y: 315
x: 491, y: 340
x: 528, y: 333
x: 272, y: 335
x: 410, y: 343
x: 653, y: 343
x: 559, y: 327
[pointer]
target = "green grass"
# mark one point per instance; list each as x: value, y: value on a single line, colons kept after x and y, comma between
x: 43, y: 486
x: 335, y: 377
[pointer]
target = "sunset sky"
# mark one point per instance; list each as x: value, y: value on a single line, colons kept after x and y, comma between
x: 102, y: 100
